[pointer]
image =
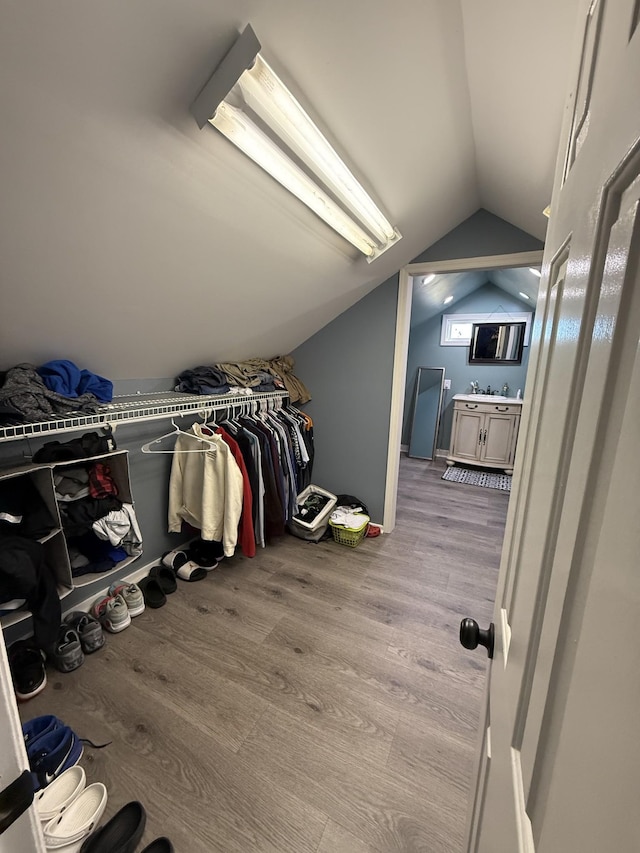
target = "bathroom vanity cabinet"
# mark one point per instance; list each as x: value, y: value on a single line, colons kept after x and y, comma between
x: 484, y: 431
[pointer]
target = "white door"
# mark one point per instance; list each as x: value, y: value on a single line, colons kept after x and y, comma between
x: 559, y: 770
x: 24, y: 835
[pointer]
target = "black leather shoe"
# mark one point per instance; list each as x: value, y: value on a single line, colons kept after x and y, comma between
x: 121, y: 834
x: 160, y: 845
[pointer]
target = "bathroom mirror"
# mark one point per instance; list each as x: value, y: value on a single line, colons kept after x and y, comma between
x: 496, y: 343
x: 425, y: 413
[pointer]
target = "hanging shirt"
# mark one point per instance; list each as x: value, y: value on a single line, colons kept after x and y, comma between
x: 245, y: 531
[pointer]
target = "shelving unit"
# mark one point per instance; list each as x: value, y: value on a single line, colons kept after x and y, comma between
x: 55, y: 542
x: 136, y: 409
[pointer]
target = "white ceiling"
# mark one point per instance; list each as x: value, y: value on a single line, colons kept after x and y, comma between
x: 137, y: 245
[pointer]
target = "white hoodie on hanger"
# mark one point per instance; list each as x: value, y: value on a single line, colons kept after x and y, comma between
x: 205, y: 489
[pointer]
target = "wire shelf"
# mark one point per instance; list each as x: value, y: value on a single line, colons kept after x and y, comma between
x: 136, y: 409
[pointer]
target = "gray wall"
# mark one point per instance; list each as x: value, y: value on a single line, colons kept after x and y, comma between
x: 348, y: 366
x: 425, y: 351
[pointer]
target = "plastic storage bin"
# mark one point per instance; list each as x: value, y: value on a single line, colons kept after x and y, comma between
x: 311, y: 530
x: 350, y: 536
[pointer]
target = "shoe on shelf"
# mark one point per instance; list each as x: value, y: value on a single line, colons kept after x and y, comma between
x: 58, y: 796
x: 89, y: 630
x: 160, y: 845
x: 112, y: 613
x: 121, y: 834
x: 66, y: 654
x: 26, y: 662
x: 67, y: 831
x: 132, y: 595
x: 51, y: 754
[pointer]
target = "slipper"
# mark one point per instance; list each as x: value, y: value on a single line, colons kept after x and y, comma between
x: 153, y: 593
x: 165, y: 577
x: 58, y: 796
x: 79, y: 820
x: 191, y: 572
x: 121, y: 834
x: 174, y: 559
x: 205, y: 553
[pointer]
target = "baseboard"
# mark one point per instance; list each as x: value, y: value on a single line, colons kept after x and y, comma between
x: 404, y: 448
x: 441, y: 453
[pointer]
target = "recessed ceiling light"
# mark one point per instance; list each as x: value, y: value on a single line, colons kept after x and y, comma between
x: 525, y: 295
x: 448, y: 300
x: 428, y: 278
x: 535, y: 272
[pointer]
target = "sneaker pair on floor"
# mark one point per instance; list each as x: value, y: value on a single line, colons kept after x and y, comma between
x: 116, y: 609
x: 78, y: 635
x: 52, y: 747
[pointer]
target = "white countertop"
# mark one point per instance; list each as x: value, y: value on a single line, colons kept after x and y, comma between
x: 488, y: 398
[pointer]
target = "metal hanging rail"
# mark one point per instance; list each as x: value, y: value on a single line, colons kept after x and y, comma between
x: 136, y: 409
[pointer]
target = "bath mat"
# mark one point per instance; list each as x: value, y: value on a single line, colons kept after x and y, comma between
x: 487, y: 479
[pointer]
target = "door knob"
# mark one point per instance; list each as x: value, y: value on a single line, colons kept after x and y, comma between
x: 472, y: 636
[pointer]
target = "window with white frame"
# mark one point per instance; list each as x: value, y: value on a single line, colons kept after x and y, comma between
x: 456, y: 328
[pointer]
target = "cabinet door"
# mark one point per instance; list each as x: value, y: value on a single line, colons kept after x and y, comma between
x: 497, y: 439
x: 467, y: 435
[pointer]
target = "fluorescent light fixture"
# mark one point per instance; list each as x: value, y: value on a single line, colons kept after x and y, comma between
x: 243, y: 95
x: 448, y: 300
x: 428, y: 278
x: 535, y: 272
x: 525, y: 295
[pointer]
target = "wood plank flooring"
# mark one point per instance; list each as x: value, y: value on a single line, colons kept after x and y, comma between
x: 313, y: 699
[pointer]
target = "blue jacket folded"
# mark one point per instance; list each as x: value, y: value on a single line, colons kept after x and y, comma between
x: 65, y: 378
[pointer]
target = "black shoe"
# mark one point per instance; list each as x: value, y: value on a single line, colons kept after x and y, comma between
x: 160, y: 845
x: 26, y: 662
x: 121, y: 834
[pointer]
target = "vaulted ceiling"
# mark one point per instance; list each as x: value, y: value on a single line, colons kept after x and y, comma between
x: 136, y: 244
x: 429, y: 294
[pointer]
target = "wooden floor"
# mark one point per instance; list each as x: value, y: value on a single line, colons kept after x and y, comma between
x: 314, y: 699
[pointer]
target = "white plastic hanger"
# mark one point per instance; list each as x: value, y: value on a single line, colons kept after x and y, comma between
x: 149, y: 447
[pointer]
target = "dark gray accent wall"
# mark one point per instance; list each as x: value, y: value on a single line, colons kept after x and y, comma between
x: 481, y: 234
x: 348, y: 366
x: 425, y: 351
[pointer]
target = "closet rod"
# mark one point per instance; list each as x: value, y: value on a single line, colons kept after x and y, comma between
x: 136, y: 409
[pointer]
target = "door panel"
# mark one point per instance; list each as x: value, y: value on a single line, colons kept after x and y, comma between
x: 24, y: 835
x: 565, y: 757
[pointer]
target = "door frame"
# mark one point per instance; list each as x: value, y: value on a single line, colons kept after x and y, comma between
x: 401, y: 350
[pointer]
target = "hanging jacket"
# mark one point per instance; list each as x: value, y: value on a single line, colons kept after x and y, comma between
x: 205, y: 489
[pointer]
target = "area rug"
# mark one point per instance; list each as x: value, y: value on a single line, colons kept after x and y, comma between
x: 487, y: 479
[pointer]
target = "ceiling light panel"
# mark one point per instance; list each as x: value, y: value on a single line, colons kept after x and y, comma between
x: 243, y: 85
